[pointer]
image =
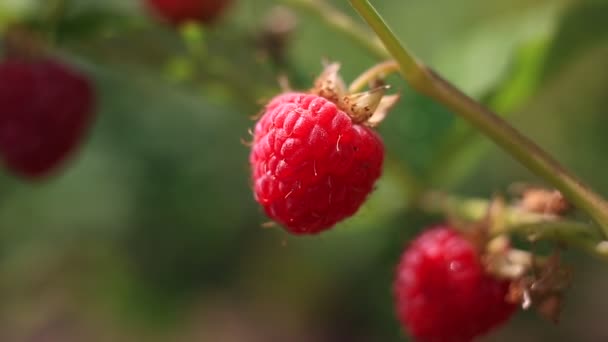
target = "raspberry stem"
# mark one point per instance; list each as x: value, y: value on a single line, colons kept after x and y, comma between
x: 586, y: 236
x: 378, y: 71
x: 508, y: 138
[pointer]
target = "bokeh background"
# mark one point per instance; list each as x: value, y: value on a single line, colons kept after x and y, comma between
x: 151, y: 233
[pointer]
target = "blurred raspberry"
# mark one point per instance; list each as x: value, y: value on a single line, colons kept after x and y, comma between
x: 46, y: 109
x: 180, y: 11
x: 443, y: 293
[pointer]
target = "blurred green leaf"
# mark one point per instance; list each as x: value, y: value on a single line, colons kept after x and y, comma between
x: 191, y: 174
x: 463, y: 147
x: 11, y: 10
x: 479, y: 61
x: 582, y: 28
x: 95, y: 22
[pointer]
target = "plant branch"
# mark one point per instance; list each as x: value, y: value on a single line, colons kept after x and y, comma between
x: 535, y: 226
x: 377, y: 71
x: 520, y: 147
x: 411, y: 70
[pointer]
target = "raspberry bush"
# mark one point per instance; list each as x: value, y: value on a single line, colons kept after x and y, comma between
x: 165, y: 211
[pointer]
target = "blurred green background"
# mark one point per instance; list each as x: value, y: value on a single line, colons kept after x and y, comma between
x: 151, y: 232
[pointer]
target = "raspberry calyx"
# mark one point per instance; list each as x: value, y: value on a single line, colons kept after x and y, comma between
x: 368, y: 108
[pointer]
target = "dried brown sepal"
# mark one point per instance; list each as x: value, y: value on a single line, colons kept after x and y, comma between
x: 543, y: 287
x: 361, y: 106
x: 550, y: 307
x: 386, y: 104
x: 506, y: 262
x: 367, y: 108
x: 330, y: 85
x: 544, y: 201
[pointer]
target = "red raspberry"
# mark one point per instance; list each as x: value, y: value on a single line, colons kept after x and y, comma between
x: 443, y: 292
x: 46, y: 109
x: 180, y: 11
x: 312, y: 165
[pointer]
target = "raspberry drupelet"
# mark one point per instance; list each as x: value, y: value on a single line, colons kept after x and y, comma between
x: 313, y: 160
x: 443, y: 292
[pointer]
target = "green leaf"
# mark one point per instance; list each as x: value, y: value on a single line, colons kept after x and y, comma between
x: 582, y: 28
x: 479, y: 61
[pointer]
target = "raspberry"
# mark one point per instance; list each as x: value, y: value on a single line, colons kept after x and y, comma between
x: 312, y: 166
x: 314, y: 156
x: 177, y: 12
x: 443, y: 292
x: 45, y: 110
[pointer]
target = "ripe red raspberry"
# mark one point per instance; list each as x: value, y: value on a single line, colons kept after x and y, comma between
x: 46, y: 108
x: 443, y: 292
x: 312, y: 166
x: 180, y: 11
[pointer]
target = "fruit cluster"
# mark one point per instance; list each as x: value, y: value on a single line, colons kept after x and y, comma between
x: 47, y: 105
x: 315, y: 158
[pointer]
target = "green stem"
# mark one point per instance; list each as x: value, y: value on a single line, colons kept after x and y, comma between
x: 520, y: 147
x: 575, y: 234
x: 377, y: 71
x: 585, y: 236
x: 411, y: 70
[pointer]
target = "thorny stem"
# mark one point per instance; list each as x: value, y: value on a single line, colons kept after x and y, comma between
x: 519, y: 146
x: 377, y: 71
x: 534, y: 226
